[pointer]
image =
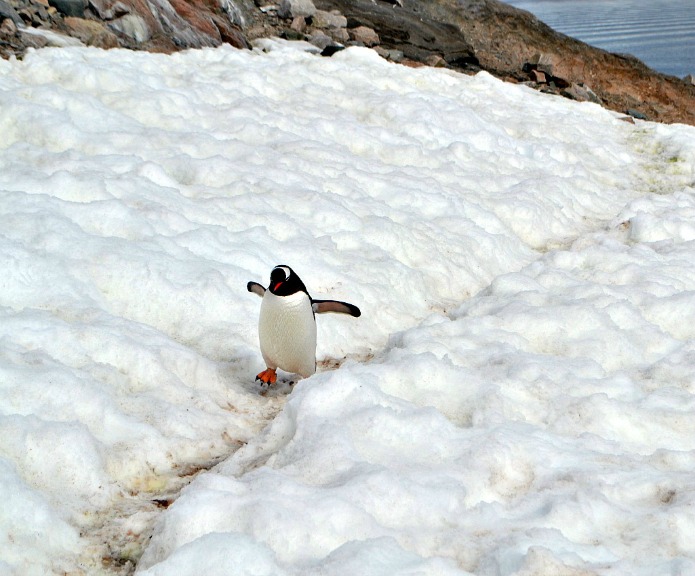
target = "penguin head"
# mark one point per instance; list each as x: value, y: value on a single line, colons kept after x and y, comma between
x: 284, y: 281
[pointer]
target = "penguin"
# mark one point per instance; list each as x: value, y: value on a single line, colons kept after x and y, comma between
x: 287, y: 323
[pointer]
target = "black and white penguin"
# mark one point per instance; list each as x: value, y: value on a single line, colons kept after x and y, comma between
x: 287, y: 323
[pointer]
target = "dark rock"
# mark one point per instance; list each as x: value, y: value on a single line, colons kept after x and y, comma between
x: 636, y: 114
x: 39, y: 15
x: 8, y: 12
x: 463, y: 61
x: 557, y: 83
x: 290, y: 34
x: 332, y: 49
x: 70, y: 7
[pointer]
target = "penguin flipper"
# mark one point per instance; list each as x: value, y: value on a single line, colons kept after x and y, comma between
x: 323, y: 306
x: 256, y: 288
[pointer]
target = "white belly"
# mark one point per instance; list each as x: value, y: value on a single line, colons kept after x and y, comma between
x: 287, y: 331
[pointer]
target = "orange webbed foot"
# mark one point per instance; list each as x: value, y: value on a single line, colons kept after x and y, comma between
x: 267, y: 377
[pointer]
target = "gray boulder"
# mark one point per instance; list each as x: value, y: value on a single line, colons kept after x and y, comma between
x: 132, y: 26
x: 323, y: 19
x: 320, y: 40
x: 289, y: 9
x: 9, y: 13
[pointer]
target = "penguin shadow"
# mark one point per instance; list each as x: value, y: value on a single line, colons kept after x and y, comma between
x: 282, y: 387
x: 285, y: 385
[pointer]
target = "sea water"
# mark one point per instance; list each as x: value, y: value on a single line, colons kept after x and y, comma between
x: 661, y: 33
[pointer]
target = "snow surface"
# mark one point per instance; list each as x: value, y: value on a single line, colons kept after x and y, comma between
x: 518, y: 396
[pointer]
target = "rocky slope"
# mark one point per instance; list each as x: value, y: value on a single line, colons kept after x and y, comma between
x: 465, y: 35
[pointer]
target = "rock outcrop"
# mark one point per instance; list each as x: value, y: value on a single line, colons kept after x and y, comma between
x: 472, y: 35
x: 465, y: 35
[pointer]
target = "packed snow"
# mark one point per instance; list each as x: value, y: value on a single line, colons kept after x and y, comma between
x: 518, y: 396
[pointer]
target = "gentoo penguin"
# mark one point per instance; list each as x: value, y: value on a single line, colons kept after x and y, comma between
x: 287, y: 324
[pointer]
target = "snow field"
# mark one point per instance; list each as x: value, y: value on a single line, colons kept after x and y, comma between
x: 516, y: 398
